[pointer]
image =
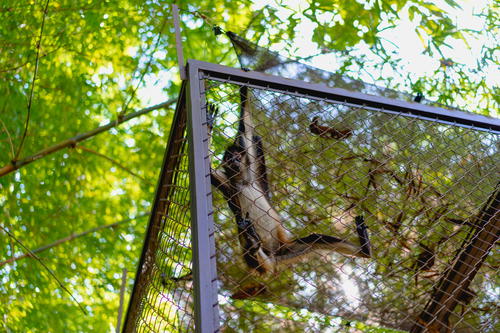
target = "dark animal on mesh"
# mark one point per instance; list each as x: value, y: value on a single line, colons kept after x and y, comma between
x: 243, y: 182
x: 425, y: 261
x: 328, y: 132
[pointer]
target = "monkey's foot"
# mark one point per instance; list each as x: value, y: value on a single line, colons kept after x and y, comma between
x: 364, y: 238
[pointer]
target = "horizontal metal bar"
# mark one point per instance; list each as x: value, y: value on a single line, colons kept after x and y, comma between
x: 323, y: 92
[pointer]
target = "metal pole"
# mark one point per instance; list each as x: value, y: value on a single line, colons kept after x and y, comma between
x: 204, y: 270
x: 178, y: 42
x: 122, y: 296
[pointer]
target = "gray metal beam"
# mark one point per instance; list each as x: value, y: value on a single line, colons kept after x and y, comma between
x: 204, y: 270
x: 338, y: 95
x: 178, y: 42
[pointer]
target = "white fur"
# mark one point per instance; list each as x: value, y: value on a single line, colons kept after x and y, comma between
x: 266, y: 220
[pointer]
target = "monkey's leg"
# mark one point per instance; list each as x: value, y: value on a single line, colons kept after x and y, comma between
x: 261, y: 165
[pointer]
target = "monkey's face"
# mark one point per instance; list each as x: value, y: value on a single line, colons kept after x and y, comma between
x: 232, y: 162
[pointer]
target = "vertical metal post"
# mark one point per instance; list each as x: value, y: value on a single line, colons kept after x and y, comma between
x: 204, y: 270
x: 122, y: 296
x: 178, y: 42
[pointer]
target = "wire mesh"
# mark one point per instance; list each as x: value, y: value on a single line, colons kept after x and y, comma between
x: 419, y: 185
x: 427, y: 191
x: 163, y: 293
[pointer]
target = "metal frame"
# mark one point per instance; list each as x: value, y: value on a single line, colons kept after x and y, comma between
x: 204, y: 270
x: 203, y: 238
x: 338, y: 95
x: 145, y: 266
x: 203, y: 242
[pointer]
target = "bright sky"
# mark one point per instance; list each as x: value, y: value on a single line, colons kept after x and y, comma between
x: 403, y: 40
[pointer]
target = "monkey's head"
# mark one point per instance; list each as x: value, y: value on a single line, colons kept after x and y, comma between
x: 232, y: 161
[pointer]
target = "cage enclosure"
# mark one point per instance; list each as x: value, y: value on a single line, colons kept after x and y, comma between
x: 423, y: 179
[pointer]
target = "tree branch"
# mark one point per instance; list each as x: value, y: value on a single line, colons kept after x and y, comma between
x: 115, y: 162
x: 8, y: 137
x: 122, y: 296
x: 455, y: 280
x: 146, y: 70
x: 71, y: 142
x: 68, y: 238
x: 51, y: 272
x: 35, y: 72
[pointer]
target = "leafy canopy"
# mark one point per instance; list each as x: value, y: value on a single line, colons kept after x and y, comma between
x: 97, y: 60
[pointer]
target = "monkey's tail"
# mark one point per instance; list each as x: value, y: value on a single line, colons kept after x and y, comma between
x: 303, y: 247
x: 243, y: 107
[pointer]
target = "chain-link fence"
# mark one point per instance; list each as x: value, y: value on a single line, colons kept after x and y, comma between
x: 293, y: 185
x: 160, y: 301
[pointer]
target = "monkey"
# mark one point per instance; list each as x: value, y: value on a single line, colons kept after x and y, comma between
x: 328, y: 132
x: 418, y: 98
x: 242, y: 180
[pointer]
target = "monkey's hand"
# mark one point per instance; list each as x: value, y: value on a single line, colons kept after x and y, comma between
x: 212, y: 112
x: 249, y: 235
x: 253, y: 253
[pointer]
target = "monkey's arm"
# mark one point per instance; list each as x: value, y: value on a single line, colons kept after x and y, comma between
x: 220, y: 181
x: 261, y: 166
